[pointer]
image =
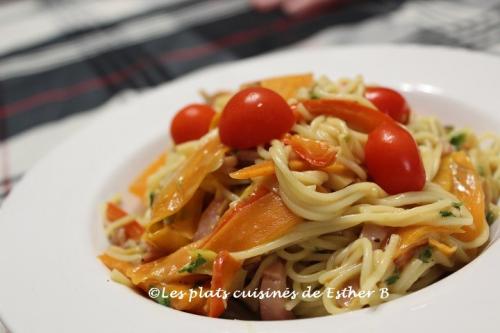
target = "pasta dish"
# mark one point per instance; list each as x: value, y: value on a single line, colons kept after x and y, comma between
x: 296, y: 197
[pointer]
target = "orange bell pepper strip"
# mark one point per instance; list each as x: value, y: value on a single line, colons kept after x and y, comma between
x: 133, y: 229
x: 288, y: 86
x: 261, y: 169
x: 113, y: 263
x: 224, y: 270
x: 187, y: 178
x: 166, y: 272
x: 358, y: 117
x: 412, y: 237
x: 197, y: 304
x: 457, y: 175
x: 315, y: 152
x: 259, y: 219
x: 172, y: 293
x: 166, y: 269
x: 140, y: 184
x: 266, y: 168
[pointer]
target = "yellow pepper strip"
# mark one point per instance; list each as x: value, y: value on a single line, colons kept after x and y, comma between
x: 288, y: 86
x: 215, y: 120
x: 187, y: 178
x: 166, y: 238
x: 445, y: 249
x: 414, y: 236
x: 186, y: 220
x: 458, y: 176
x: 140, y: 184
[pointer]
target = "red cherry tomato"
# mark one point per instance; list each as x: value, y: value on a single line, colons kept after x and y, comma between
x: 254, y: 116
x: 393, y: 159
x: 191, y: 122
x: 390, y: 102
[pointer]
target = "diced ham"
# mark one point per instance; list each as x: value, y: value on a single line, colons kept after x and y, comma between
x: 274, y: 279
x: 210, y: 217
x: 376, y: 234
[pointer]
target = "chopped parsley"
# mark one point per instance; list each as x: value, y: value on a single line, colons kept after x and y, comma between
x: 480, y: 169
x: 393, y: 278
x: 490, y: 217
x: 151, y: 198
x: 426, y: 254
x: 458, y: 140
x: 162, y: 299
x: 445, y: 213
x: 194, y: 264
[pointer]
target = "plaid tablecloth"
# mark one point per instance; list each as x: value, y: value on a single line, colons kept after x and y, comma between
x: 61, y: 59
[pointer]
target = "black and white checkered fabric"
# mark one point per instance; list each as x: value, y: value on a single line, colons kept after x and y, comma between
x: 61, y: 59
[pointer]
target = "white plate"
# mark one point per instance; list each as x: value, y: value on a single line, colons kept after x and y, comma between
x: 50, y: 232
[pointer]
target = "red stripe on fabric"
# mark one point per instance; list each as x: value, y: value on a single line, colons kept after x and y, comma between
x: 61, y: 94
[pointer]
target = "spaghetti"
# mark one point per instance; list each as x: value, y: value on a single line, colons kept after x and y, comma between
x: 308, y: 208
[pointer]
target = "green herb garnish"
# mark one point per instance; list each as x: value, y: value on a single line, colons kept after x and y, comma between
x: 393, y: 278
x: 490, y: 217
x: 194, y: 264
x: 457, y: 204
x: 426, y: 254
x: 151, y: 198
x: 480, y: 170
x: 458, y: 140
x: 162, y: 299
x: 446, y: 213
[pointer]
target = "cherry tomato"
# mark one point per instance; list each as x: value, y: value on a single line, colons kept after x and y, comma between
x: 191, y: 122
x: 393, y: 159
x: 390, y: 102
x: 254, y: 116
